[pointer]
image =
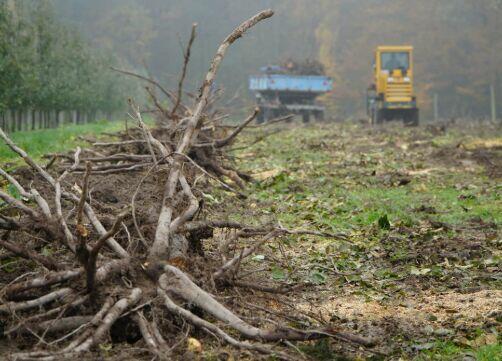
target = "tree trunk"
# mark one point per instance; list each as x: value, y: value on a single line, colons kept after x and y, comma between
x: 19, y: 120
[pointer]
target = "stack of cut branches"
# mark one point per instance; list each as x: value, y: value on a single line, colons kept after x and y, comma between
x: 110, y: 234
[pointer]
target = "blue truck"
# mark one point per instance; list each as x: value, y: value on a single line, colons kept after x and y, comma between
x: 278, y: 93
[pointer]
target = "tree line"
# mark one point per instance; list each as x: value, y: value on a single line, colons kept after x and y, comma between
x: 457, y: 42
x: 49, y: 74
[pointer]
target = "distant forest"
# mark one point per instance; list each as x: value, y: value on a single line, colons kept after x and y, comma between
x: 458, y: 42
x: 48, y: 66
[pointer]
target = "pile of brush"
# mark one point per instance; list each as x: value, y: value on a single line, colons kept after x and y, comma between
x: 112, y: 235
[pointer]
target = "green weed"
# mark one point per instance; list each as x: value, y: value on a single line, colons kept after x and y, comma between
x: 449, y: 351
x: 39, y: 142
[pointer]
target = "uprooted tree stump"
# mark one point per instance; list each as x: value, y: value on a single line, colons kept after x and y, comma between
x: 121, y: 221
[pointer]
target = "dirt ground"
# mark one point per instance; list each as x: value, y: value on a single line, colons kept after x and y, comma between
x: 417, y: 262
x: 414, y: 263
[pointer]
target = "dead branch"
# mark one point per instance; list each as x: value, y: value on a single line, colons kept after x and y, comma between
x: 176, y: 281
x: 82, y: 232
x: 19, y: 205
x: 188, y: 214
x: 92, y: 255
x: 199, y: 226
x: 16, y: 184
x: 245, y: 253
x: 118, y: 158
x: 57, y: 200
x: 209, y: 327
x: 148, y: 136
x: 150, y: 335
x: 112, y: 243
x: 113, y: 144
x: 26, y: 158
x: 146, y: 133
x: 166, y: 92
x: 59, y: 325
x: 186, y: 58
x: 10, y: 307
x: 110, y: 318
x: 88, y: 210
x: 98, y: 317
x: 208, y: 82
x: 44, y: 281
x: 27, y: 322
x: 156, y: 102
x: 273, y: 121
x: 223, y: 184
x: 121, y: 169
x: 18, y: 250
x: 223, y: 142
x: 256, y: 141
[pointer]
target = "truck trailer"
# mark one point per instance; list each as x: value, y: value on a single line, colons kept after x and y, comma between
x: 278, y: 93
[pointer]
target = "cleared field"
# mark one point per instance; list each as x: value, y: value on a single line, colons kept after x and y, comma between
x: 415, y: 257
x: 416, y: 263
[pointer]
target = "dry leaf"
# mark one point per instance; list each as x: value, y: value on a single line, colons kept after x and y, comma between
x: 194, y: 345
x: 268, y: 174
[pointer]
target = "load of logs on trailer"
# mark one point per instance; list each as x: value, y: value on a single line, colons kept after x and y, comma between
x: 290, y: 89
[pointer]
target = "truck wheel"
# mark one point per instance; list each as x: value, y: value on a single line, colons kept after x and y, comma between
x: 267, y: 114
x: 319, y: 116
x: 260, y: 118
x: 373, y: 117
x: 379, y: 116
x: 306, y: 117
x: 412, y: 118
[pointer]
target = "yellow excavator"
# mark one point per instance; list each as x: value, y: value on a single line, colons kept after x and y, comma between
x: 392, y: 95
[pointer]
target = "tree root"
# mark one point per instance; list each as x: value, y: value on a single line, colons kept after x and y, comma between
x: 178, y: 283
x: 153, y: 338
x: 211, y: 328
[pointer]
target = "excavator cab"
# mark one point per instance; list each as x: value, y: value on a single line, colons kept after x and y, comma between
x: 392, y: 96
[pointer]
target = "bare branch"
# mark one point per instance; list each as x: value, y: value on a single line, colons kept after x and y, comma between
x: 125, y: 142
x: 190, y: 211
x: 166, y: 92
x: 83, y: 196
x: 16, y: 184
x: 110, y: 318
x: 148, y: 136
x: 208, y: 82
x: 26, y: 157
x: 149, y: 335
x: 223, y: 142
x: 19, y: 205
x: 186, y: 58
x: 92, y: 256
x: 209, y: 327
x: 45, y: 261
x: 159, y: 106
x: 44, y: 281
x: 76, y: 162
x: 163, y: 232
x: 245, y: 253
x: 10, y: 307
